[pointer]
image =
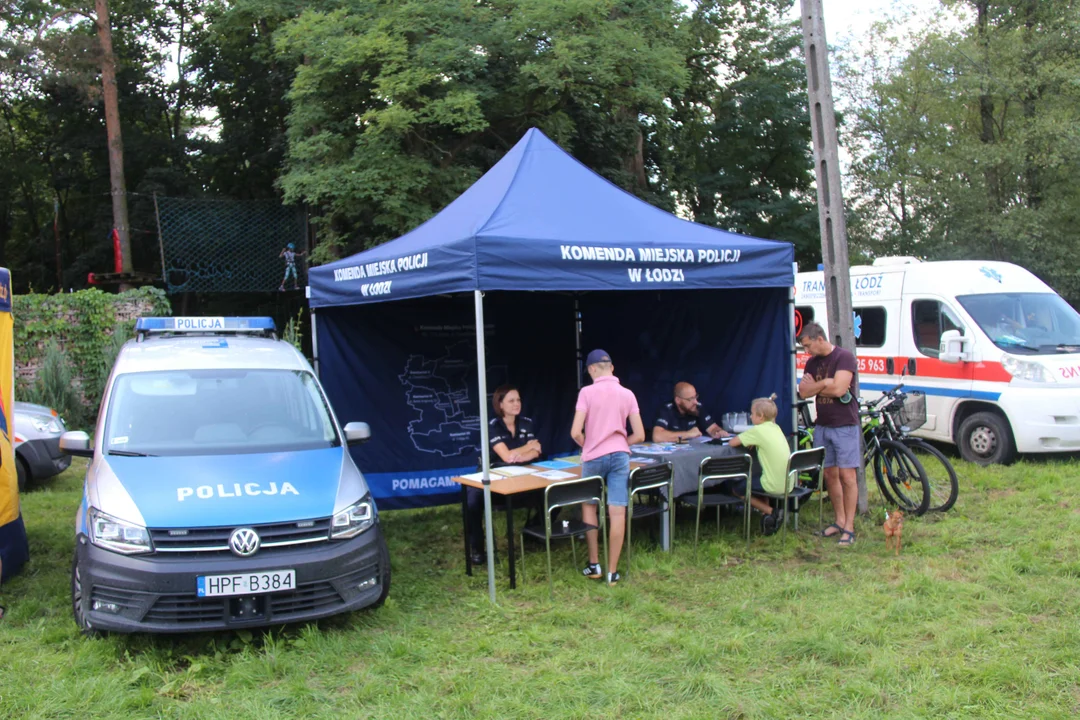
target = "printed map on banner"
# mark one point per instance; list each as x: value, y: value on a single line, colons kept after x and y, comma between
x: 441, y: 392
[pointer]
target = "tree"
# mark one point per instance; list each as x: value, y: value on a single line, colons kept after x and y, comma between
x: 965, y: 147
x: 52, y: 104
x: 397, y: 108
x: 737, y: 151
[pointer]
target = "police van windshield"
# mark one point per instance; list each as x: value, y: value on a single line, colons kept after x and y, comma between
x: 1026, y: 323
x: 216, y: 412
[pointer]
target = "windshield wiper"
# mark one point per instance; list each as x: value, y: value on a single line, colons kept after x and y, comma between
x: 1067, y: 348
x: 1009, y: 346
x: 130, y: 453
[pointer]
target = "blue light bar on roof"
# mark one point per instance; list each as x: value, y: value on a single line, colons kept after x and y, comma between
x: 205, y: 324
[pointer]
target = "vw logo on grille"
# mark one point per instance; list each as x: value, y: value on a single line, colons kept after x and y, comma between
x: 244, y: 542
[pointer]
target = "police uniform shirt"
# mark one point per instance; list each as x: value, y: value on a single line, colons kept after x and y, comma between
x: 671, y: 419
x: 498, y: 433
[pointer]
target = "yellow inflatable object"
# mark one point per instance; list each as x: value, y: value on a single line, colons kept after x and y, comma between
x: 14, y: 550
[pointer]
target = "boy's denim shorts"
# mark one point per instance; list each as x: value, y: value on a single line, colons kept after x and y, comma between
x: 615, y: 469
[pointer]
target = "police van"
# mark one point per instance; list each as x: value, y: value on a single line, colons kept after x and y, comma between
x: 220, y: 492
x: 995, y: 350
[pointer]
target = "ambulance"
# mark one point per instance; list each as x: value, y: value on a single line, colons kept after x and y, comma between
x: 995, y: 350
x: 220, y: 493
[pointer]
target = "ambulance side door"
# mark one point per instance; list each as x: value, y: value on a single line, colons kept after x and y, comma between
x: 925, y: 318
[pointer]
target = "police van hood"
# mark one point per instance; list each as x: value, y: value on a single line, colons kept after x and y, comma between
x: 230, y: 490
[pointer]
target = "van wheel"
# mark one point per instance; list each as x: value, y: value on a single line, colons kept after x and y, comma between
x: 79, y: 604
x: 985, y: 439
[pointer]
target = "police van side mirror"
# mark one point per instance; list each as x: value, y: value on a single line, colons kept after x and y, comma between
x: 77, y: 443
x: 954, y: 347
x: 357, y: 433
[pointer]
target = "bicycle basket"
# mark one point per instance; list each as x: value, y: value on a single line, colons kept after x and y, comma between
x: 912, y: 413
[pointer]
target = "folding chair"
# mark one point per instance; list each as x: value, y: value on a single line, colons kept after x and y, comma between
x: 716, y: 471
x: 647, y: 480
x: 564, y: 494
x: 798, y: 462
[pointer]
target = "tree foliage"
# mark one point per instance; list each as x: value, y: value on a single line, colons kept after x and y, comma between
x: 397, y: 107
x: 54, y: 177
x: 376, y: 113
x: 966, y: 139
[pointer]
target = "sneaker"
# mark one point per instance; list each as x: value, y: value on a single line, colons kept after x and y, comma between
x: 769, y: 524
x: 613, y: 578
x: 593, y: 571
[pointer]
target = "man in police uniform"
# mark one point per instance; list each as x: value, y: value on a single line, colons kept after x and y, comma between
x: 682, y: 418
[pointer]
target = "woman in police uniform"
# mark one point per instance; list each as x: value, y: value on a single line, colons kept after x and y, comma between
x: 512, y: 442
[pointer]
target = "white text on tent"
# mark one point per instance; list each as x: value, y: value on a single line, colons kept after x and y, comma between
x: 382, y: 267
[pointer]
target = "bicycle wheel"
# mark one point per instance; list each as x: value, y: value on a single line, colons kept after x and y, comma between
x: 944, y: 485
x: 897, y: 468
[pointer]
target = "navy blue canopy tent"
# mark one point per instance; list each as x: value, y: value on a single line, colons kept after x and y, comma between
x: 397, y: 328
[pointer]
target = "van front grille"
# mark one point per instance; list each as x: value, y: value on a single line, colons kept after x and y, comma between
x: 216, y: 540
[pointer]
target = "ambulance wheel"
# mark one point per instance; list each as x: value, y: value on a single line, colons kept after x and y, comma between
x: 79, y: 604
x: 384, y: 562
x: 23, y: 472
x: 985, y: 439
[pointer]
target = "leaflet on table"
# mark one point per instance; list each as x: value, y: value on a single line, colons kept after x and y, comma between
x: 643, y: 460
x: 512, y: 471
x: 556, y: 464
x: 555, y: 475
x: 479, y: 477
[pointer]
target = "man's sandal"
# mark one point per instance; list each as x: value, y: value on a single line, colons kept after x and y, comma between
x: 826, y: 534
x: 847, y: 541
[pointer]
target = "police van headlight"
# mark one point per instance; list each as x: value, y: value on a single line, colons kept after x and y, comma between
x: 1027, y: 370
x: 117, y: 535
x: 353, y: 520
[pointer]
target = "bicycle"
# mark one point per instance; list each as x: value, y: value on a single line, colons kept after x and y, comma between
x: 899, y: 474
x: 905, y: 415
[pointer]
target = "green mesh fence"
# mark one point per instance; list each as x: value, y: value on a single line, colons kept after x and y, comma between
x: 229, y: 245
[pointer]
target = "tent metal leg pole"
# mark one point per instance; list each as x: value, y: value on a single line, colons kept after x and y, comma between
x: 577, y: 340
x: 314, y: 344
x: 485, y: 456
x: 794, y: 365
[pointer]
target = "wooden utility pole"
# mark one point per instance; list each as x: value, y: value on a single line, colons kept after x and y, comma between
x: 117, y: 184
x: 834, y: 246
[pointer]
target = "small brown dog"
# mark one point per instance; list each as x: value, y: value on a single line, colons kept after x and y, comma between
x: 894, y: 528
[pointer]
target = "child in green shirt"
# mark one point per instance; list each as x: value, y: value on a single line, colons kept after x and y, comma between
x: 772, y: 454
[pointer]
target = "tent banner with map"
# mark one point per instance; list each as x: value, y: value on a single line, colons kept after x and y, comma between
x: 408, y: 369
x: 14, y: 550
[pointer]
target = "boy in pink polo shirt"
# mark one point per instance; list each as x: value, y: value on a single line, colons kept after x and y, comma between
x: 600, y: 429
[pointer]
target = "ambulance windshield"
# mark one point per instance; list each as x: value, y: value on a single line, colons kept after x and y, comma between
x: 1026, y: 323
x: 214, y: 412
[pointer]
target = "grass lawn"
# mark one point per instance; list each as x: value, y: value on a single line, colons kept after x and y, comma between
x: 977, y: 618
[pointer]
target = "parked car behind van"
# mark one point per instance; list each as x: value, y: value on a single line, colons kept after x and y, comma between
x: 37, y: 443
x: 220, y: 492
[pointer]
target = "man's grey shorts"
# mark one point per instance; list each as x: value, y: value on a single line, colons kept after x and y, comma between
x: 841, y: 445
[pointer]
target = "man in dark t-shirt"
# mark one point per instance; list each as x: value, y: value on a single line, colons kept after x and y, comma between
x: 683, y: 418
x: 831, y: 378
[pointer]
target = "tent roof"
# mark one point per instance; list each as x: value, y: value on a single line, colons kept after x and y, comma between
x: 540, y: 220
